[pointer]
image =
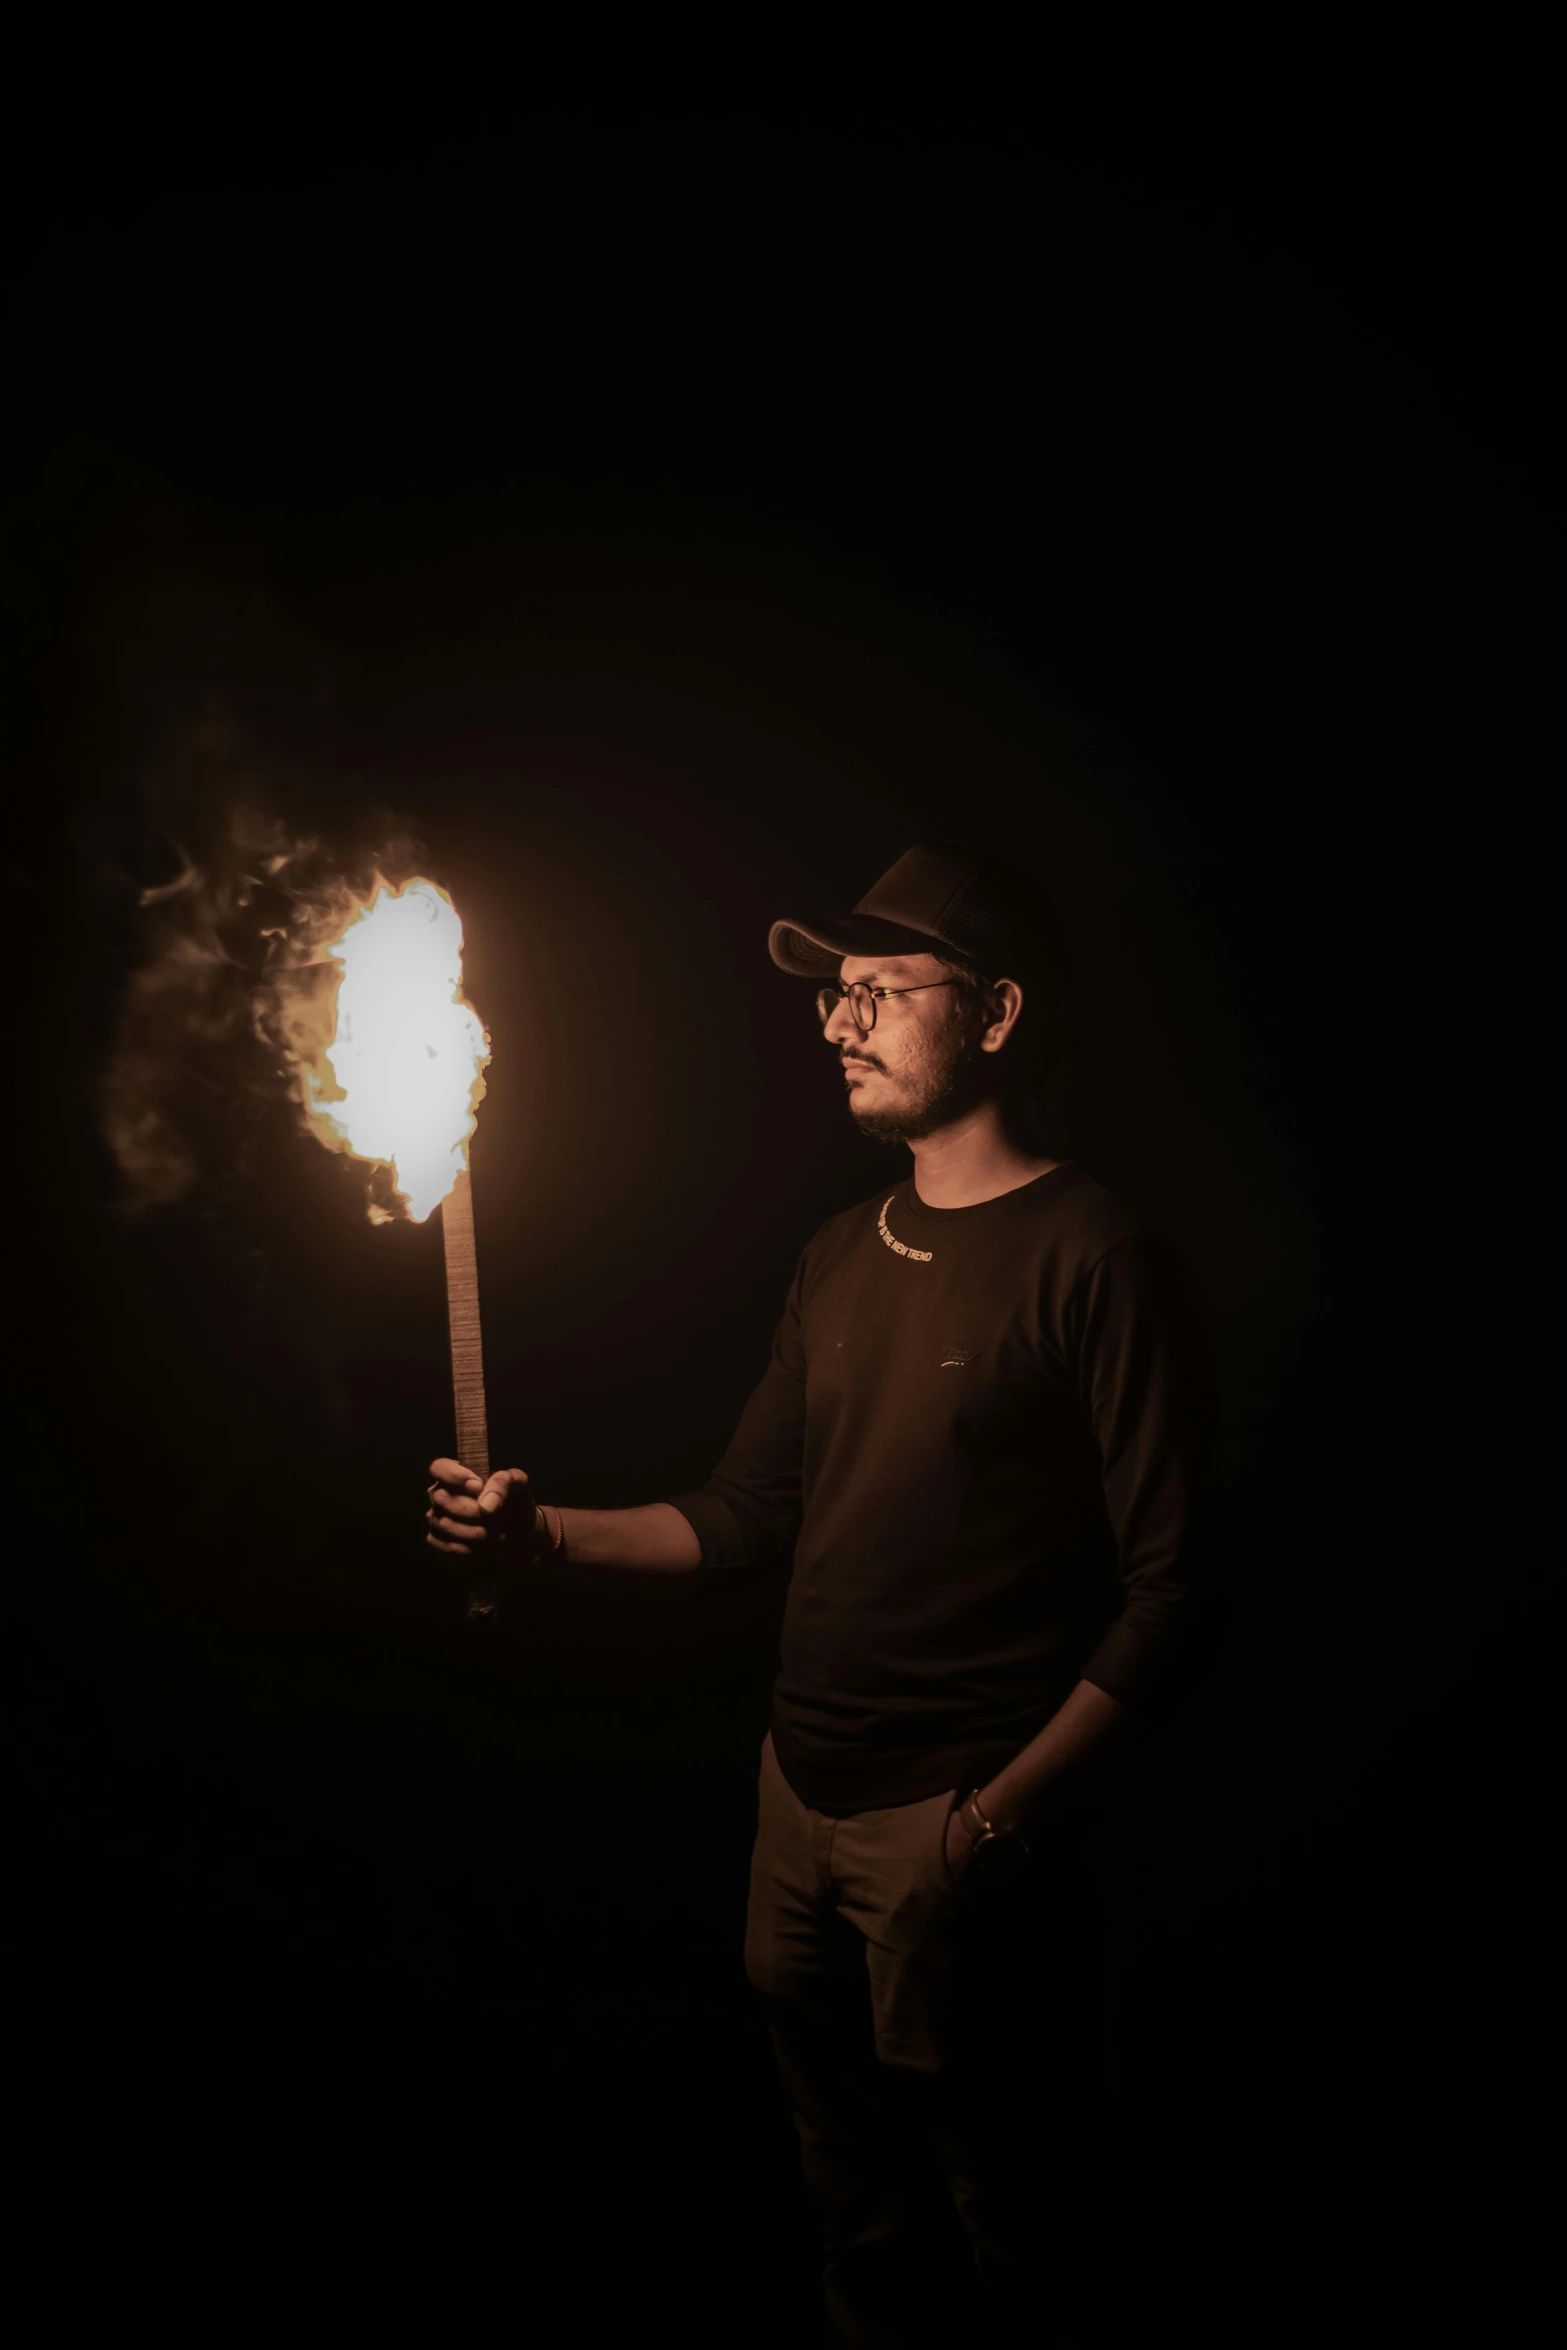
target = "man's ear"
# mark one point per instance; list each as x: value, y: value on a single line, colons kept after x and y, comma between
x: 1007, y: 1004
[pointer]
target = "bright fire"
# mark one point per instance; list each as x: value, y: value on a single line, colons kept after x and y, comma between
x: 407, y: 1054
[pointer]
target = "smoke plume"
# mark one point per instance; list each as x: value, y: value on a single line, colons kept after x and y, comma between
x: 231, y: 999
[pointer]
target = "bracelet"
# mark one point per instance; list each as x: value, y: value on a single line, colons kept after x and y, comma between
x: 558, y: 1537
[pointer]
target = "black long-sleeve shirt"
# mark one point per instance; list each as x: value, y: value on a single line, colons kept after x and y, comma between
x: 982, y: 1433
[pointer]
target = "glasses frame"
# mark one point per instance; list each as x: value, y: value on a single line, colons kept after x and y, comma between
x: 858, y: 992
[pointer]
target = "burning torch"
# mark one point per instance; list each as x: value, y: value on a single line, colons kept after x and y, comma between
x: 399, y: 1084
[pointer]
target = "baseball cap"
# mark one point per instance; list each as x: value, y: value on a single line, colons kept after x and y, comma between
x: 937, y: 899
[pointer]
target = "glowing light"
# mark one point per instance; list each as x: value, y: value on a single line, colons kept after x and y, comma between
x: 404, y: 1068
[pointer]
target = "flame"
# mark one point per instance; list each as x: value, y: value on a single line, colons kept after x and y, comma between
x: 406, y: 1057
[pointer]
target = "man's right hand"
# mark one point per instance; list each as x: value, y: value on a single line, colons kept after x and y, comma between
x: 493, y: 1523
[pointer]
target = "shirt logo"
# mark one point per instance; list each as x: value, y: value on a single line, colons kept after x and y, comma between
x: 920, y: 1256
x: 956, y: 1358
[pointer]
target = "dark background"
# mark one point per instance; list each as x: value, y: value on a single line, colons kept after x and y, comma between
x: 668, y: 526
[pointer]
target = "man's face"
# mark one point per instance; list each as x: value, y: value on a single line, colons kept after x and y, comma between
x: 919, y: 1067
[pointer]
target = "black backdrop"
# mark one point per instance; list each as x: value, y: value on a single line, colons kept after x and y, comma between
x: 668, y: 538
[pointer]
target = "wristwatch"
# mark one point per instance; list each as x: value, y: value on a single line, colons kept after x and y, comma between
x: 999, y: 1854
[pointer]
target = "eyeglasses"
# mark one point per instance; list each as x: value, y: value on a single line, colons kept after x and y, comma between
x: 861, y: 999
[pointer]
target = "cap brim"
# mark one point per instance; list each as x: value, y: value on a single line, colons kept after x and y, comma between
x: 814, y: 949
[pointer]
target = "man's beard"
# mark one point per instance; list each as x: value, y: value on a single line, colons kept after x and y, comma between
x: 935, y: 1094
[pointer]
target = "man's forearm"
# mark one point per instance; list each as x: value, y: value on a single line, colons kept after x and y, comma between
x: 1033, y: 1782
x: 655, y: 1536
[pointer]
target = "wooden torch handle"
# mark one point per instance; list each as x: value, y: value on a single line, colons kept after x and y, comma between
x: 462, y: 1316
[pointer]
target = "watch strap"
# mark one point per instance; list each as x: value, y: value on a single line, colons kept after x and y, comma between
x: 980, y: 1830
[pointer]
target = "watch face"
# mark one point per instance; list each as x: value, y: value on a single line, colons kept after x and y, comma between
x: 999, y: 1859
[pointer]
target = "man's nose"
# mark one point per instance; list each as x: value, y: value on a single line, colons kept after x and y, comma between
x: 840, y: 1027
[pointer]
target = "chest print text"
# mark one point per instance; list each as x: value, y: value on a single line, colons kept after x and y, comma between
x: 920, y: 1256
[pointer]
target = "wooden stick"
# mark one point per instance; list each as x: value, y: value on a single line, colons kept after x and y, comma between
x: 462, y: 1318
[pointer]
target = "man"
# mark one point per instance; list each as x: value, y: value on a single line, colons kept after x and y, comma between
x: 979, y: 1440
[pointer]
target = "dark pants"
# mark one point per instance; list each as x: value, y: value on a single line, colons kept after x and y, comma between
x: 939, y: 2049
